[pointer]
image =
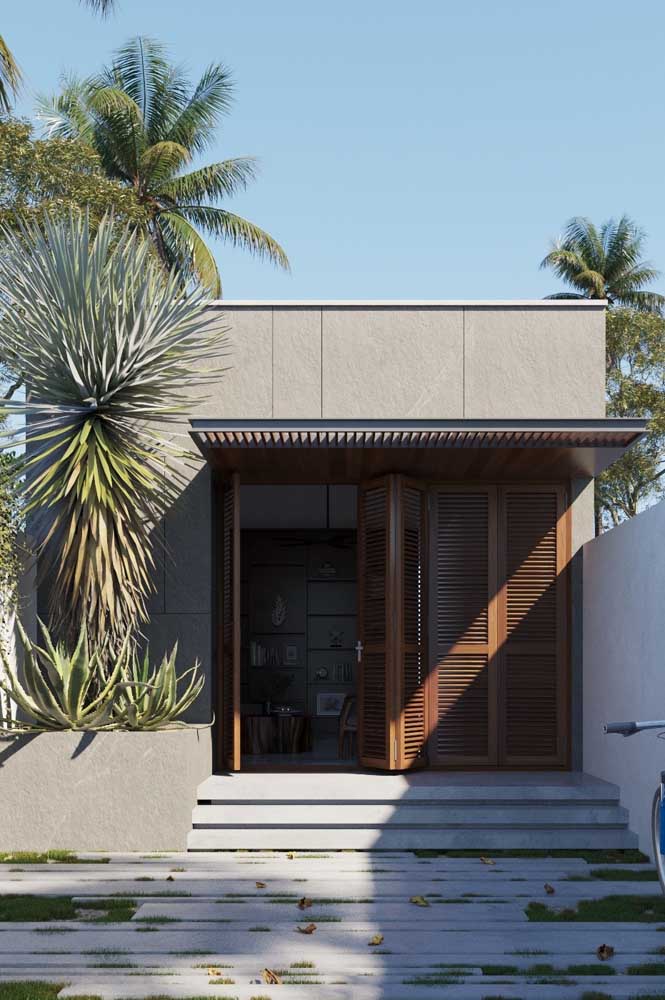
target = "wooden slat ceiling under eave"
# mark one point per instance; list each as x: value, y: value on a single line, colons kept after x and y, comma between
x: 306, y: 453
x: 333, y: 438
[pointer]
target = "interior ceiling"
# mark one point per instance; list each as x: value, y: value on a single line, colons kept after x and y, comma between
x: 352, y: 451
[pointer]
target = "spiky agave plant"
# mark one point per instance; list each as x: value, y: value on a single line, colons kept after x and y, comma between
x: 154, y: 697
x: 63, y: 689
x: 111, y: 351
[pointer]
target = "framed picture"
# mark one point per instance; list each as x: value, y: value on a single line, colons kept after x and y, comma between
x: 290, y: 653
x: 330, y: 703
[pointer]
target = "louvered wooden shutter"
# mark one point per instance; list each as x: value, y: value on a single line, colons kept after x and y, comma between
x: 392, y: 593
x: 463, y: 690
x: 411, y: 646
x: 532, y: 626
x: 228, y: 725
x: 376, y: 596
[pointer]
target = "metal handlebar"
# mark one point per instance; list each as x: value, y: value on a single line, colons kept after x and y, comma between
x: 630, y: 728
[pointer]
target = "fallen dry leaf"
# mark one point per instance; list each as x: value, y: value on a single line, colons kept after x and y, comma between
x: 304, y: 903
x: 604, y: 952
x: 290, y: 855
x: 549, y: 889
x: 271, y: 977
x: 260, y: 885
x: 376, y: 940
x: 488, y: 861
x: 307, y: 930
x: 419, y: 901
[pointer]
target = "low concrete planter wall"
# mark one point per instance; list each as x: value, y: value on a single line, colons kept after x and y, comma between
x: 113, y: 791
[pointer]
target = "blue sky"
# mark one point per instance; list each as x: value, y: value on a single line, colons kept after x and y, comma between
x: 409, y: 150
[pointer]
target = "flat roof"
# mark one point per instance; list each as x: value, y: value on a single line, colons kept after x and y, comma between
x: 409, y: 303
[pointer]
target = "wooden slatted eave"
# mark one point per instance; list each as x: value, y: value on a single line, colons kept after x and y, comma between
x: 321, y: 437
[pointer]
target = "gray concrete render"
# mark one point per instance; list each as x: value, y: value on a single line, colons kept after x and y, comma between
x: 97, y: 791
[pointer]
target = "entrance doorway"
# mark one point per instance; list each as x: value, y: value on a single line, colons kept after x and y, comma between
x: 392, y: 625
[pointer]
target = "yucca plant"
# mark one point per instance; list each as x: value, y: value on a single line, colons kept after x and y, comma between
x: 63, y: 689
x: 112, y: 351
x: 150, y: 698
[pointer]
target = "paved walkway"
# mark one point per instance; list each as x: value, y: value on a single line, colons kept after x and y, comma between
x: 222, y: 925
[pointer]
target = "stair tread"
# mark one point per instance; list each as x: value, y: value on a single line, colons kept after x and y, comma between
x: 429, y: 809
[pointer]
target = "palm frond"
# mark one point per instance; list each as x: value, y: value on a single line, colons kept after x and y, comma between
x: 581, y: 234
x: 158, y: 163
x: 211, y: 183
x: 565, y: 263
x: 237, y: 231
x: 67, y: 115
x: 211, y: 99
x: 196, y: 259
x: 10, y: 76
x: 649, y: 302
x: 141, y: 70
x: 120, y: 128
x: 642, y: 273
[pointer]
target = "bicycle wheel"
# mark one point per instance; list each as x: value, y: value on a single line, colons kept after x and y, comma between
x: 658, y: 835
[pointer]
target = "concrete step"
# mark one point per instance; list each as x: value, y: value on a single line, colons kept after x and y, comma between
x: 363, y: 811
x: 339, y: 838
x: 441, y: 816
x: 421, y: 786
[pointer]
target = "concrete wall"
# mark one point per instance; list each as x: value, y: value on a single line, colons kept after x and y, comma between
x: 624, y: 661
x: 530, y: 360
x: 101, y: 792
x: 536, y: 360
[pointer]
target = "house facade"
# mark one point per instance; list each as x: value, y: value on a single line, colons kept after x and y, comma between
x: 377, y: 559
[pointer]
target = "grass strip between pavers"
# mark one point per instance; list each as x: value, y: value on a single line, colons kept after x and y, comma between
x: 37, y: 990
x: 43, y: 909
x: 626, y: 856
x: 48, y: 857
x: 609, y: 909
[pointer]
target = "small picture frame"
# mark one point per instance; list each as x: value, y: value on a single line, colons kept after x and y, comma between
x: 329, y: 703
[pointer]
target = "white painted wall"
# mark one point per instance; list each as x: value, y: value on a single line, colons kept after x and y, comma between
x: 624, y: 658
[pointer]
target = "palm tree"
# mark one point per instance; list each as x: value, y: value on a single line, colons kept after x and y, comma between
x: 604, y: 264
x: 147, y: 124
x: 10, y: 74
x: 111, y: 349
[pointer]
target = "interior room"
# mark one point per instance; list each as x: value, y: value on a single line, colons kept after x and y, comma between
x: 298, y: 626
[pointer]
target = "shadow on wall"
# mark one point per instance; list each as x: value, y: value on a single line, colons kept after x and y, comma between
x: 17, y: 743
